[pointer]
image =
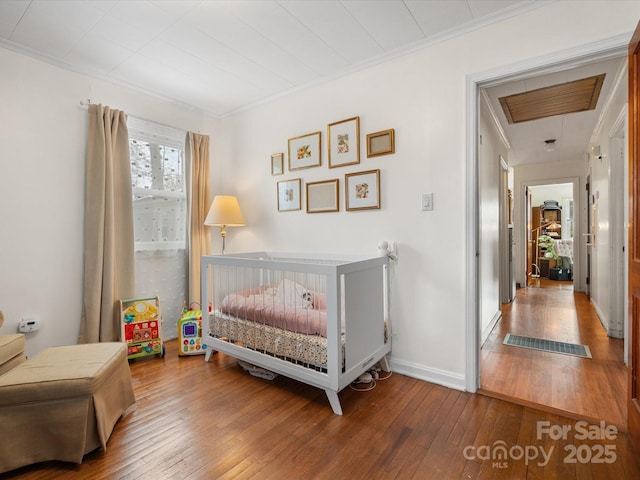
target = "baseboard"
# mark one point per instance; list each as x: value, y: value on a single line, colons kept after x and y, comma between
x: 611, y: 332
x: 431, y: 375
x: 601, y: 316
x: 487, y: 331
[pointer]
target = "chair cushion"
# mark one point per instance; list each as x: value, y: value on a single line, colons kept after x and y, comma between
x: 11, y: 351
x: 62, y: 372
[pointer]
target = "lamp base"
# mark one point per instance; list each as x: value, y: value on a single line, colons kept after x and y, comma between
x: 223, y: 234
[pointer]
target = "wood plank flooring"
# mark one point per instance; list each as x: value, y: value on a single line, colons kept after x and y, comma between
x: 197, y: 420
x: 593, y: 389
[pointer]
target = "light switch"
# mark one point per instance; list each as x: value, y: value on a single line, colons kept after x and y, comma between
x: 427, y: 201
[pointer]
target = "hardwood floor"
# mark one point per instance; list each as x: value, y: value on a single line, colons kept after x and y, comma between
x: 197, y: 420
x: 593, y: 389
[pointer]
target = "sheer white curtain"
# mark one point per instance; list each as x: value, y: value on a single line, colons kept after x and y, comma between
x: 108, y: 229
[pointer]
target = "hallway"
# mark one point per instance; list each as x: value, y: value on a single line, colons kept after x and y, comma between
x: 592, y: 389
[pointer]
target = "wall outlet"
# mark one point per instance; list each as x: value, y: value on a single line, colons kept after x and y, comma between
x: 28, y: 325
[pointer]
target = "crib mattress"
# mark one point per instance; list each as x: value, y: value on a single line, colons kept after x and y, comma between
x: 300, y: 348
x: 268, y: 310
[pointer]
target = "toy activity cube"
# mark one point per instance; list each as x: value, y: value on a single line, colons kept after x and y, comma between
x: 142, y: 327
x: 190, y: 334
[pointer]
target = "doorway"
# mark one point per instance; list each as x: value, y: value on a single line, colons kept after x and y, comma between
x: 475, y: 84
x: 585, y: 388
x: 549, y: 308
x: 550, y: 232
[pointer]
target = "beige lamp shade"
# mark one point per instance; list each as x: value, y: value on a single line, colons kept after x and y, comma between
x: 225, y: 212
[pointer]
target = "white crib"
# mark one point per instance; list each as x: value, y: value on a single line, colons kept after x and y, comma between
x: 322, y: 320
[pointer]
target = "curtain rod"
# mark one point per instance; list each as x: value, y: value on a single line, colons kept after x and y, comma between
x: 87, y: 102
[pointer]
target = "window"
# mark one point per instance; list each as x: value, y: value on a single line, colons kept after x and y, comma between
x: 159, y: 216
x: 158, y: 183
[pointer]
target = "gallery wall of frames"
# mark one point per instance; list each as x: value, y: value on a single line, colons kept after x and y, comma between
x: 361, y: 186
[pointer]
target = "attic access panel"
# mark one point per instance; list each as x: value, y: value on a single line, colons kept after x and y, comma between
x: 571, y: 97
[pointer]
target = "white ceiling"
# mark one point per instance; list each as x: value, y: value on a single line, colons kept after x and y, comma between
x: 223, y: 56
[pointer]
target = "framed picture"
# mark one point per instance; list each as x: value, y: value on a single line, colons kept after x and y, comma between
x: 289, y: 195
x: 323, y: 196
x: 277, y: 164
x: 381, y: 143
x: 344, y: 142
x: 304, y: 151
x: 362, y: 190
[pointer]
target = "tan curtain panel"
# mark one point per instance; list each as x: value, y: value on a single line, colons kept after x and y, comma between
x: 109, y: 272
x: 198, y: 198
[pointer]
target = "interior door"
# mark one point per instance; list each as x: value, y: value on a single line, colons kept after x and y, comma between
x: 633, y: 404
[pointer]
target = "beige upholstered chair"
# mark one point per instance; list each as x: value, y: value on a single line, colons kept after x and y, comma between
x: 11, y: 349
x: 62, y: 403
x: 564, y: 249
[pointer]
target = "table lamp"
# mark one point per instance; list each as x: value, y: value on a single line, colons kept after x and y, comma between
x: 224, y: 212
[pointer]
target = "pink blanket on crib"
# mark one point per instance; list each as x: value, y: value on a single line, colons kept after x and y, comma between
x: 294, y: 314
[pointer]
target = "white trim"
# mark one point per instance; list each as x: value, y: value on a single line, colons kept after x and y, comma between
x: 618, y: 183
x: 604, y: 321
x: 607, y: 48
x: 472, y: 337
x: 620, y: 122
x: 496, y: 123
x: 556, y: 62
x: 487, y: 331
x: 155, y: 246
x: 431, y: 375
x: 503, y: 164
x: 619, y: 81
x: 166, y: 194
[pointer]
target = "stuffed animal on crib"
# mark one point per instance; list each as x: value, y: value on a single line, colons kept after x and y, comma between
x: 307, y: 300
x: 384, y: 250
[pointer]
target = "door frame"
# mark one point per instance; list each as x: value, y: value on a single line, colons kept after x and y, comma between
x: 577, y: 222
x: 608, y: 48
x: 619, y: 205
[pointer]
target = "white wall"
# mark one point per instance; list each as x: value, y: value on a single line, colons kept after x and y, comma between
x: 42, y: 177
x: 556, y: 191
x: 607, y: 206
x: 422, y: 95
x: 492, y: 231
